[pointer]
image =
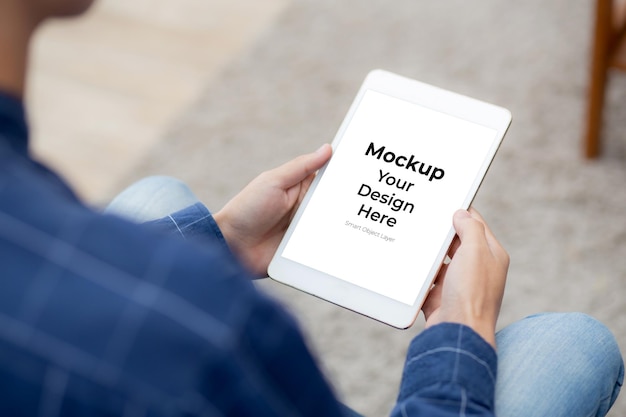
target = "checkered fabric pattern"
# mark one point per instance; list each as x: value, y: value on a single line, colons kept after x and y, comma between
x: 101, y: 317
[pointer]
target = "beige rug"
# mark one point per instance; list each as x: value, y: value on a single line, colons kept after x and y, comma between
x: 562, y: 219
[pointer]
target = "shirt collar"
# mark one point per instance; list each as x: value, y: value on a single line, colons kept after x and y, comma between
x: 13, y: 124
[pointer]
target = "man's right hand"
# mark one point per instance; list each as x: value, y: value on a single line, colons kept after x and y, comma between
x: 470, y: 288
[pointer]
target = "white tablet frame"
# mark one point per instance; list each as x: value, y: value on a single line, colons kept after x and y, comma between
x: 358, y: 299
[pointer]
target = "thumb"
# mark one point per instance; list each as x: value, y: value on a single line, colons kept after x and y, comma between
x: 296, y: 170
x: 471, y: 230
x: 466, y: 225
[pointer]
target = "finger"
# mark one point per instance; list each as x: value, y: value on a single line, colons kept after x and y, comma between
x: 476, y: 215
x: 456, y: 242
x: 301, y: 192
x: 468, y: 227
x: 493, y: 242
x: 306, y: 183
x: 433, y: 300
x: 298, y: 169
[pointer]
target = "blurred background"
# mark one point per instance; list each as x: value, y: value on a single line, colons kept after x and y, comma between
x: 214, y: 92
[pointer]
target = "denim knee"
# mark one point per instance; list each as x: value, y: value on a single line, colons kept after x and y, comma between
x: 597, y: 345
x: 557, y: 364
x: 151, y: 198
x: 579, y: 332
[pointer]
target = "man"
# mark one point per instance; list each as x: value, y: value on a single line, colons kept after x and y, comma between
x: 103, y: 317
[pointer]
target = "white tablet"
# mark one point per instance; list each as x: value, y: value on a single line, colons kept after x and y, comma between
x: 376, y: 224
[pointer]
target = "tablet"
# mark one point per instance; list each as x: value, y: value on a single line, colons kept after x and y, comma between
x: 376, y: 223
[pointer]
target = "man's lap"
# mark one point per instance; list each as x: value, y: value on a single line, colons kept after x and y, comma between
x: 549, y: 364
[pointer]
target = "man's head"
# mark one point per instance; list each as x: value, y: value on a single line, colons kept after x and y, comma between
x: 36, y: 11
x: 64, y: 7
x: 44, y: 9
x: 18, y: 21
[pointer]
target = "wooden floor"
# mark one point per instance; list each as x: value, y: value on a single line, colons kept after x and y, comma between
x: 104, y: 87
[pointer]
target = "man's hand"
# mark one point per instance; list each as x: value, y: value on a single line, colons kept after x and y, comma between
x: 469, y: 289
x: 255, y: 220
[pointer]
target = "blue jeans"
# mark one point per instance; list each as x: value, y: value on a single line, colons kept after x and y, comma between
x: 559, y: 364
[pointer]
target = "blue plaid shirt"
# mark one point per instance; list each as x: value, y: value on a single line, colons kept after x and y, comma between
x: 100, y: 317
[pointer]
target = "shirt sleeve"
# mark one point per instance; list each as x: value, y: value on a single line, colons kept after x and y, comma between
x: 195, y: 223
x: 450, y: 371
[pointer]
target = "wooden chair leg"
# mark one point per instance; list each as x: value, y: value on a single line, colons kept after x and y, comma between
x: 603, y: 34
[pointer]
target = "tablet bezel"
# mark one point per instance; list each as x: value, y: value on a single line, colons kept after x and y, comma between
x: 353, y: 297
